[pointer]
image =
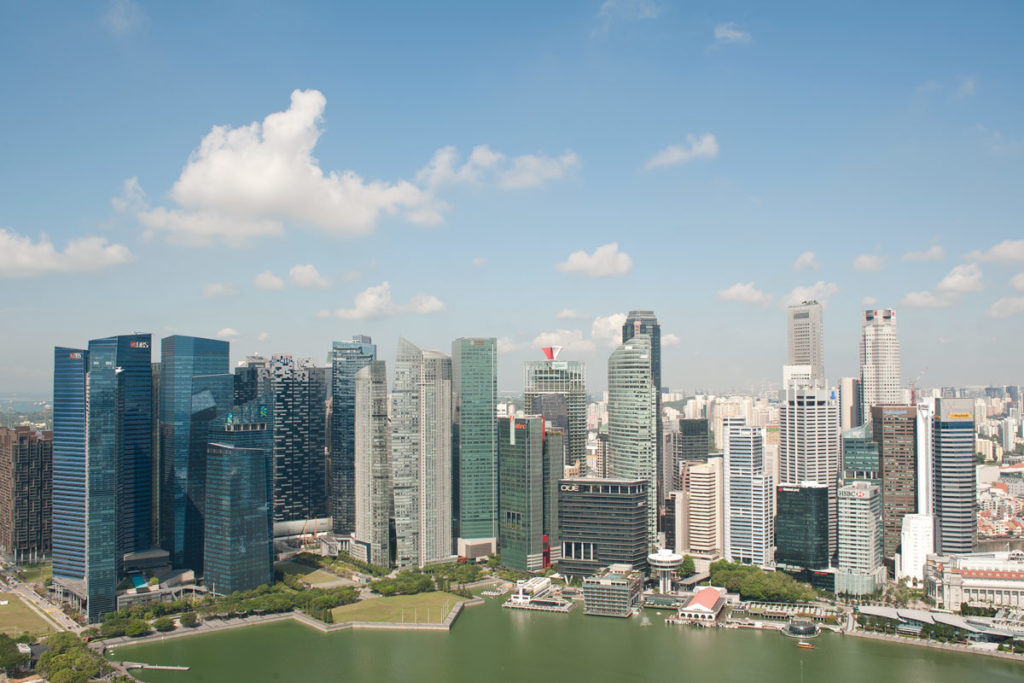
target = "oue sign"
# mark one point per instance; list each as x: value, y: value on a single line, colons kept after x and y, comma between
x: 569, y: 487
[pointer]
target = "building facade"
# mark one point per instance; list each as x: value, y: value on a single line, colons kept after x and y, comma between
x: 802, y: 526
x: 954, y: 483
x: 981, y: 579
x: 861, y: 555
x: 895, y: 432
x: 698, y: 510
x: 645, y: 322
x: 346, y: 358
x: 879, y: 360
x: 557, y: 390
x: 687, y: 443
x: 860, y: 455
x: 601, y: 522
x: 804, y: 339
x: 373, y: 490
x: 26, y: 494
x: 749, y: 499
x: 849, y: 403
x: 616, y: 591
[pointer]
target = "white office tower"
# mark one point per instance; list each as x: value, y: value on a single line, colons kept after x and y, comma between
x: 633, y: 421
x: 809, y: 445
x: 861, y: 570
x: 917, y: 542
x: 726, y: 423
x: 804, y: 339
x: 800, y: 375
x: 749, y: 499
x: 699, y: 515
x: 421, y: 452
x: 925, y: 420
x: 374, y: 502
x: 879, y: 360
x: 849, y: 403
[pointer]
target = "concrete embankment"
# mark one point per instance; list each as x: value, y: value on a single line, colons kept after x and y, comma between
x: 951, y: 647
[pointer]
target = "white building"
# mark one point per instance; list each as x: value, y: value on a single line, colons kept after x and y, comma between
x: 804, y: 340
x: 990, y: 579
x: 879, y: 360
x: 861, y: 570
x: 374, y: 497
x: 917, y: 542
x: 750, y: 499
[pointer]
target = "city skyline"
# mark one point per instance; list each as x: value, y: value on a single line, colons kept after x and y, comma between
x: 617, y: 134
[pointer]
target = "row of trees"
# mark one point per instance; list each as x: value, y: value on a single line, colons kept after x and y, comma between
x: 752, y: 583
x: 69, y: 660
x: 406, y: 582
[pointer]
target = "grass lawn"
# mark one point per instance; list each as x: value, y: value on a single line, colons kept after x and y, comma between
x: 425, y: 608
x: 310, y: 576
x: 36, y: 573
x: 16, y: 617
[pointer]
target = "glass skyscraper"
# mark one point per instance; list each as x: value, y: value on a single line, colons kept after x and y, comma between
x: 373, y: 489
x: 70, y: 370
x: 953, y: 468
x: 346, y: 359
x: 645, y: 322
x: 802, y: 526
x: 860, y: 454
x: 196, y: 392
x: 475, y: 438
x: 557, y: 390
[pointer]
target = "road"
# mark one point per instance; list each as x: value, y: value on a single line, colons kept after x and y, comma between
x: 50, y: 612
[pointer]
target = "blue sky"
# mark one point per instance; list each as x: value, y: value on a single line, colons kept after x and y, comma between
x: 529, y: 171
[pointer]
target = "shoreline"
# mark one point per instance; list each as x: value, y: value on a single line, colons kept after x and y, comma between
x: 965, y: 649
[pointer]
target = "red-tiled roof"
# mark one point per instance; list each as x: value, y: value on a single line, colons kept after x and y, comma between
x: 706, y: 598
x: 990, y: 574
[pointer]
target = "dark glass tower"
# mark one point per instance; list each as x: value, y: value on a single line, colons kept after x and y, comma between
x: 954, y: 476
x: 475, y: 437
x: 70, y: 369
x: 346, y: 359
x: 645, y: 322
x: 801, y: 526
x: 196, y: 392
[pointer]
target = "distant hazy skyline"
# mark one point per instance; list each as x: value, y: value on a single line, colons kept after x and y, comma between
x: 287, y: 175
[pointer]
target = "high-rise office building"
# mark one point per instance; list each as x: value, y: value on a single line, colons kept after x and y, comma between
x: 688, y: 443
x: 196, y: 392
x: 895, y: 431
x: 633, y: 421
x: 475, y: 444
x: 802, y: 526
x: 804, y: 339
x: 849, y: 403
x: 861, y: 556
x: 530, y: 461
x: 298, y: 388
x: 239, y: 527
x: 345, y: 360
x: 373, y: 491
x: 879, y: 360
x: 645, y: 322
x: 749, y: 499
x: 917, y: 542
x: 421, y: 448
x: 247, y: 378
x: 102, y: 469
x: 26, y: 494
x: 557, y: 390
x: 809, y: 446
x: 860, y: 455
x: 954, y: 484
x: 698, y: 511
x: 602, y: 522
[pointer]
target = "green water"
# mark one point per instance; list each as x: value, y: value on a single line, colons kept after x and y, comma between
x: 488, y: 643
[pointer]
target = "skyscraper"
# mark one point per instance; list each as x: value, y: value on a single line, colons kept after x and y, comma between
x: 557, y: 390
x: 633, y: 420
x: 861, y: 555
x: 804, y: 339
x: 196, y: 392
x: 860, y: 455
x: 809, y: 446
x: 26, y: 480
x: 954, y: 491
x: 699, y: 515
x: 879, y: 360
x: 749, y: 499
x: 103, y: 425
x: 849, y: 403
x: 895, y: 432
x: 802, y: 532
x: 688, y: 443
x: 421, y: 447
x: 601, y: 522
x: 346, y: 359
x: 475, y: 443
x: 645, y: 322
x: 373, y: 490
x: 530, y: 459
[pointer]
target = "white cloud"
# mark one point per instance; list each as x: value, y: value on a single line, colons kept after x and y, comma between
x: 443, y: 168
x: 607, y: 330
x: 1018, y: 282
x: 569, y: 314
x: 249, y: 181
x: 570, y: 340
x: 704, y: 147
x: 606, y: 261
x: 744, y: 293
x: 227, y: 333
x: 307, y: 277
x: 351, y: 275
x: 532, y: 170
x: 507, y: 344
x: 628, y: 9
x: 376, y: 302
x: 21, y: 257
x: 963, y: 278
x: 729, y: 32
x: 1007, y: 306
x: 123, y: 16
x: 267, y: 280
x: 670, y: 339
x: 805, y: 261
x: 966, y: 86
x: 479, y: 261
x: 489, y: 166
x: 819, y: 291
x: 869, y: 262
x: 262, y: 337
x: 869, y: 301
x: 926, y: 300
x: 219, y: 289
x: 933, y: 253
x: 1011, y: 251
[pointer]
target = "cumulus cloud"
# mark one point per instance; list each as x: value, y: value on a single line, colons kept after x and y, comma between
x: 614, y: 11
x: 670, y: 339
x: 606, y: 261
x: 219, y: 289
x: 376, y: 302
x: 925, y: 299
x: 570, y: 340
x: 21, y: 257
x: 806, y: 261
x: 607, y: 330
x: 267, y: 280
x: 123, y: 16
x: 729, y: 32
x: 307, y: 277
x: 933, y: 253
x: 703, y: 147
x: 1007, y: 306
x: 963, y: 278
x: 533, y: 170
x: 487, y: 166
x: 1018, y: 282
x: 1009, y: 251
x: 868, y: 262
x: 820, y: 291
x: 744, y: 293
x: 227, y: 333
x: 569, y: 314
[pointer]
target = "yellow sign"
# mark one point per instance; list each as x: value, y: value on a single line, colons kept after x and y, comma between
x: 960, y: 416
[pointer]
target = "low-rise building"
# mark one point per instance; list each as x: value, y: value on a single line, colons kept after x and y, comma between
x: 706, y: 606
x: 990, y: 579
x: 613, y: 592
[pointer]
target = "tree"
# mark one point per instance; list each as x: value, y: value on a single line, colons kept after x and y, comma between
x: 10, y: 658
x: 189, y: 619
x: 688, y: 568
x: 136, y: 628
x: 163, y: 624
